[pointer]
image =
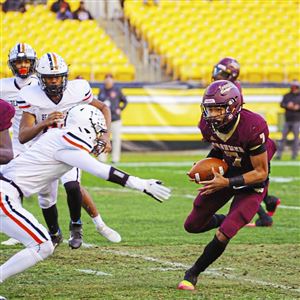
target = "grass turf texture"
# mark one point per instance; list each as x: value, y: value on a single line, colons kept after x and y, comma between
x: 155, y: 250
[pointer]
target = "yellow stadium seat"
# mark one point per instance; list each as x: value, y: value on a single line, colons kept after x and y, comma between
x: 84, y: 45
x: 259, y: 32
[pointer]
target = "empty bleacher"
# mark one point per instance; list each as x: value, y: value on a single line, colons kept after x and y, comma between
x: 192, y: 35
x: 85, y: 46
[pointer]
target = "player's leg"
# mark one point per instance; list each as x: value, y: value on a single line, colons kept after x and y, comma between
x: 243, y: 208
x: 17, y: 148
x: 18, y: 223
x: 282, y: 143
x: 116, y: 128
x: 90, y: 207
x: 202, y: 218
x: 47, y: 200
x: 71, y: 182
x: 295, y: 147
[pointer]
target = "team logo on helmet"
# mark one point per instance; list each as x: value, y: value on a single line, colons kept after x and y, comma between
x: 226, y: 88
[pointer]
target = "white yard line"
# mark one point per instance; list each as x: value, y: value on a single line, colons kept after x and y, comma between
x: 189, y: 163
x: 177, y: 265
x: 93, y: 272
x: 188, y: 196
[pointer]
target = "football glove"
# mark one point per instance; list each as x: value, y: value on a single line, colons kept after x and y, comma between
x: 156, y: 190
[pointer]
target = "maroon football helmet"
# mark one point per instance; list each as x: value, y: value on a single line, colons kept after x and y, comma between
x: 225, y: 96
x: 226, y: 69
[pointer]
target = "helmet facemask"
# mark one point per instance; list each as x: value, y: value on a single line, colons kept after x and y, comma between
x: 223, y: 119
x: 219, y: 74
x: 53, y: 89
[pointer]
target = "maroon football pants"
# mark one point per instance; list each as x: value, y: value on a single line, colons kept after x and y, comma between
x: 243, y: 208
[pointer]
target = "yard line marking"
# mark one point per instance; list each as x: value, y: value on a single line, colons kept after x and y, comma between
x: 279, y: 206
x: 190, y: 163
x: 289, y: 207
x: 188, y: 196
x: 212, y: 272
x: 93, y: 272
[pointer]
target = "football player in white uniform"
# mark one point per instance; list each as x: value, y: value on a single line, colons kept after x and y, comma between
x: 44, y: 107
x: 22, y: 62
x: 54, y: 154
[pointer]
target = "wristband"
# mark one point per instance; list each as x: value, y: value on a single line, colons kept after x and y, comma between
x: 117, y: 176
x: 237, y: 181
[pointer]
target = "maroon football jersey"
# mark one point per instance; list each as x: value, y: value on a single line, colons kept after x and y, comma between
x: 7, y: 112
x: 238, y: 85
x: 250, y: 131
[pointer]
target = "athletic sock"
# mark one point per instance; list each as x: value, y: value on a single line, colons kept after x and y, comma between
x: 51, y: 218
x: 74, y: 199
x: 262, y: 213
x: 98, y: 221
x: 211, y: 252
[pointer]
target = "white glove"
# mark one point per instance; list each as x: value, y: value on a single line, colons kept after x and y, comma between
x: 155, y: 189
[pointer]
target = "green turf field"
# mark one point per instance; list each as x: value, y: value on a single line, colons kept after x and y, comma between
x: 259, y: 263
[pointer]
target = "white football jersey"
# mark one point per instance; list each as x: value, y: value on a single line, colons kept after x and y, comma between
x: 35, y: 168
x: 35, y: 101
x: 9, y: 91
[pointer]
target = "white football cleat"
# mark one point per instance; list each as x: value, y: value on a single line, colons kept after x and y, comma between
x: 10, y: 242
x: 109, y: 233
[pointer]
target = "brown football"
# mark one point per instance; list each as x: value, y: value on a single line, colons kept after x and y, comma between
x: 202, y: 170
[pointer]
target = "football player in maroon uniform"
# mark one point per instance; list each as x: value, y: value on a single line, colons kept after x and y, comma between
x: 241, y: 138
x: 228, y: 68
x: 7, y: 112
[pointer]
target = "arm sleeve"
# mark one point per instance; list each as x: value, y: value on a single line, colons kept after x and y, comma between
x: 82, y: 160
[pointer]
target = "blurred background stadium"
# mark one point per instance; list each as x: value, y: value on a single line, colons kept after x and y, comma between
x: 162, y: 54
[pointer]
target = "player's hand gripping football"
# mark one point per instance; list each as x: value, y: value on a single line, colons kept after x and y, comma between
x: 155, y: 189
x: 211, y: 186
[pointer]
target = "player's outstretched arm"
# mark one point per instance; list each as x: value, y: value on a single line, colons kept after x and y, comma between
x: 85, y: 162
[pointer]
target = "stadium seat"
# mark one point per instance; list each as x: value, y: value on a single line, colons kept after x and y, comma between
x: 83, y: 45
x: 257, y: 33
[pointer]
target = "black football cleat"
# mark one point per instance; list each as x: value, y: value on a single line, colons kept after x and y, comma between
x: 271, y: 204
x: 75, y: 240
x: 266, y: 221
x: 56, y: 238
